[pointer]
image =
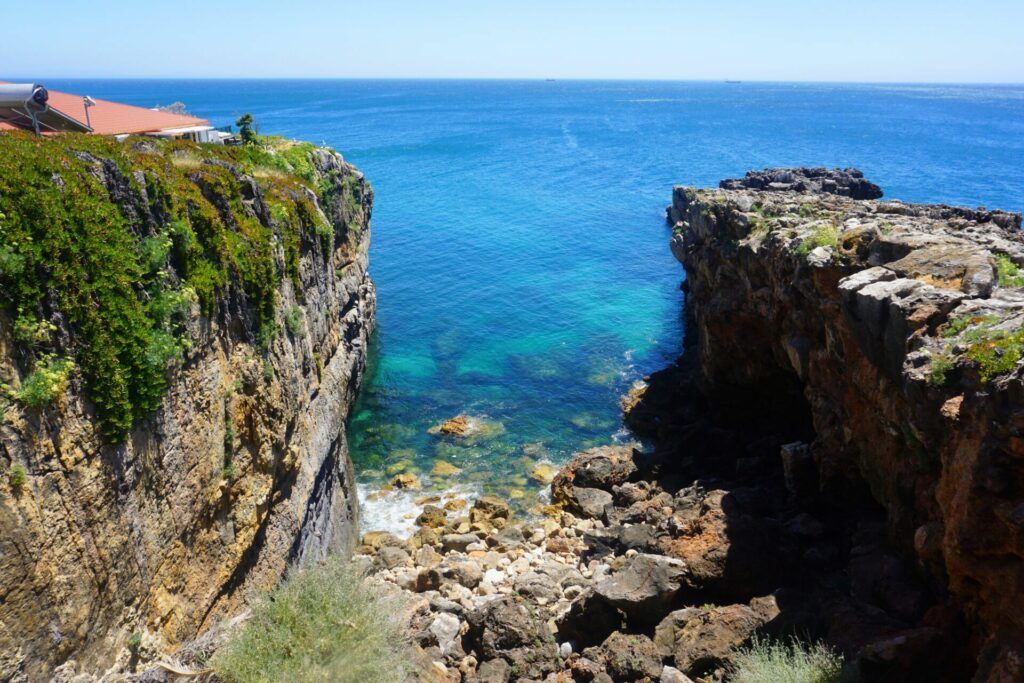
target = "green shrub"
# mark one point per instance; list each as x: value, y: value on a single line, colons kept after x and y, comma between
x: 1009, y: 273
x: 17, y: 477
x: 941, y: 365
x: 996, y: 352
x: 47, y: 382
x: 293, y: 321
x: 134, y: 641
x: 958, y: 325
x: 246, y: 129
x: 154, y: 253
x: 825, y: 235
x: 321, y: 624
x: 66, y: 246
x: 32, y: 332
x: 764, y: 661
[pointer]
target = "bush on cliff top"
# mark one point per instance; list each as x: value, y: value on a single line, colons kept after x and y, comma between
x: 1008, y: 272
x: 825, y: 235
x: 321, y: 624
x: 765, y: 661
x: 125, y: 289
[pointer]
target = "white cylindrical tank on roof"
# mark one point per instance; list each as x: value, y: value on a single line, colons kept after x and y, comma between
x: 28, y: 95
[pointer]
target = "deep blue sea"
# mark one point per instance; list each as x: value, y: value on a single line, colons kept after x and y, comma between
x: 519, y: 242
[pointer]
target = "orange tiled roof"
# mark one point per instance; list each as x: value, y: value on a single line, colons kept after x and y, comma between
x: 113, y: 118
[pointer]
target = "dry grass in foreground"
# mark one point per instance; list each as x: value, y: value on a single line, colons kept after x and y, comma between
x: 321, y: 624
x: 766, y: 661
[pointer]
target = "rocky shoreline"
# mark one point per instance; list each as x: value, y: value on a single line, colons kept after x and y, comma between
x: 817, y: 309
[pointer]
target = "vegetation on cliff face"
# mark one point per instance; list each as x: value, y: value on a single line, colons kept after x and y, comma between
x: 81, y: 275
x: 322, y: 624
x: 764, y: 661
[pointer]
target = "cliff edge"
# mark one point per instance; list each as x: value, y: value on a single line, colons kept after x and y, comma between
x: 183, y: 330
x: 896, y: 330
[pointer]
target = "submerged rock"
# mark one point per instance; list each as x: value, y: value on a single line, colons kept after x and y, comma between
x: 460, y: 425
x: 406, y: 480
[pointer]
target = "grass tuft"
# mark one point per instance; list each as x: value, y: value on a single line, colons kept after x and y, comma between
x: 764, y: 661
x: 17, y: 477
x: 826, y: 235
x: 1009, y: 273
x: 321, y: 624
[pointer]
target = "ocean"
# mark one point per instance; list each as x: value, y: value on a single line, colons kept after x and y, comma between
x: 519, y: 241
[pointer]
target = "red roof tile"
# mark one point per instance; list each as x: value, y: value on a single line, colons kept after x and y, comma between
x: 113, y: 118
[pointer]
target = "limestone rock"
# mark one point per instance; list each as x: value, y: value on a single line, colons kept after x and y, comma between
x: 599, y: 468
x: 900, y: 351
x: 489, y: 507
x: 406, y: 481
x: 432, y: 516
x: 701, y: 638
x: 629, y: 657
x: 587, y: 502
x: 645, y: 588
x: 505, y: 628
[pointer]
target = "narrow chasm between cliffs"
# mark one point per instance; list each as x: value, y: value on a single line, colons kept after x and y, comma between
x: 829, y: 481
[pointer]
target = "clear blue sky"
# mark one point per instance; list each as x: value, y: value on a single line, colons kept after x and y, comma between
x: 853, y: 40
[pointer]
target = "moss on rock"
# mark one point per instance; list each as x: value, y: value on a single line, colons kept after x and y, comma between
x: 114, y: 242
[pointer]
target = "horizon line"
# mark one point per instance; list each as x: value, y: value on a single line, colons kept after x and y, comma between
x: 541, y: 79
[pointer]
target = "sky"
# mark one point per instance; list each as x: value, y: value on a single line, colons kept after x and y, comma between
x: 802, y: 40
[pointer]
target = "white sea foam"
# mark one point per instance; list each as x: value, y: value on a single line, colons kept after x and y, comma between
x: 395, y: 511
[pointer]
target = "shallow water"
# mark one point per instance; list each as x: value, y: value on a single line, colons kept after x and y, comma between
x: 519, y: 245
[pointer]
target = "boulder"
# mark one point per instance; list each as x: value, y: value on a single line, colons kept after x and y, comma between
x: 432, y: 516
x: 406, y: 480
x: 586, y: 502
x: 700, y: 639
x: 457, y: 542
x: 467, y: 573
x: 445, y: 629
x: 588, y: 620
x: 645, y: 588
x: 628, y: 657
x: 537, y: 588
x: 460, y: 425
x: 391, y: 557
x: 599, y: 468
x: 506, y: 628
x: 493, y: 671
x: 670, y: 674
x: 379, y: 539
x: 443, y: 468
x: 488, y: 508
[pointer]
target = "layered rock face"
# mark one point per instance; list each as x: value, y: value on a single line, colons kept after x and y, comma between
x: 141, y: 538
x: 897, y: 329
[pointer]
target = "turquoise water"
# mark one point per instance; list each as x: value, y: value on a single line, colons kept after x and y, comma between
x: 519, y: 244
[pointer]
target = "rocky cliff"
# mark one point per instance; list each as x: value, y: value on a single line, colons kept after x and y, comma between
x: 894, y: 332
x: 183, y: 330
x: 832, y: 459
